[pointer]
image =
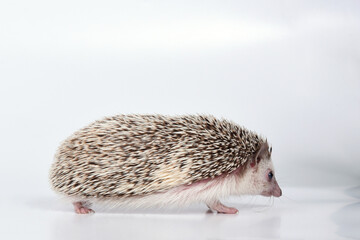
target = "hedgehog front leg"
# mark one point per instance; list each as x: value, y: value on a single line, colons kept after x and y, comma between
x: 81, y: 209
x: 221, y: 208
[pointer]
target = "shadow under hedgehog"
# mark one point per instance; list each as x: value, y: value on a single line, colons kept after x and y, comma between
x: 156, y: 160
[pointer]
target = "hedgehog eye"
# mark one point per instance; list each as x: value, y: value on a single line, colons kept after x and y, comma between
x: 270, y: 175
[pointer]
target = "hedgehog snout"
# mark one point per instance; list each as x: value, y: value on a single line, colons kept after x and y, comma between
x: 276, y: 190
x: 272, y: 190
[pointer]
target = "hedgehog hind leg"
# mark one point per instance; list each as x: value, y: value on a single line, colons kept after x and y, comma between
x: 221, y: 208
x: 82, y: 208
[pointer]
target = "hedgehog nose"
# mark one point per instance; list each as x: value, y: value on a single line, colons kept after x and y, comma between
x: 277, y: 190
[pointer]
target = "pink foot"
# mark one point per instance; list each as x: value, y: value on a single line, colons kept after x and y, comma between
x: 220, y: 208
x: 81, y: 209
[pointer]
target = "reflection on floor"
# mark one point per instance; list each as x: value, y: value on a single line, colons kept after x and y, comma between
x: 302, y: 213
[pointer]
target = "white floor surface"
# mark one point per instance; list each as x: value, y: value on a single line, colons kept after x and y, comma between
x: 302, y: 213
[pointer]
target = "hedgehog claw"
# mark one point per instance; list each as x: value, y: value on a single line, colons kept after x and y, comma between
x: 81, y: 209
x: 221, y: 208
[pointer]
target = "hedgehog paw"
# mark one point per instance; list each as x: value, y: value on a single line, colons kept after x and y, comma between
x: 81, y: 209
x: 221, y: 208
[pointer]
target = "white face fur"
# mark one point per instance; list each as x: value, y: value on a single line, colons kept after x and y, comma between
x: 259, y: 176
x: 263, y: 179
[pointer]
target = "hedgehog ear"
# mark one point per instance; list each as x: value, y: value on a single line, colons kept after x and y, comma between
x: 260, y: 154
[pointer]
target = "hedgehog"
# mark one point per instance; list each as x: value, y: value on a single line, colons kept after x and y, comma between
x: 139, y: 160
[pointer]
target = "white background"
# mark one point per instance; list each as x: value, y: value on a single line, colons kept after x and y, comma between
x: 289, y: 70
